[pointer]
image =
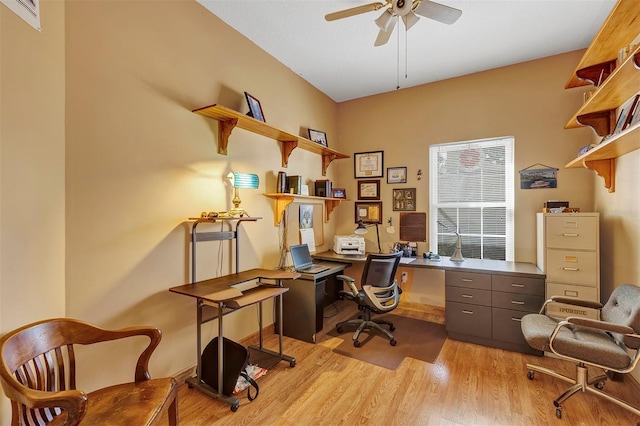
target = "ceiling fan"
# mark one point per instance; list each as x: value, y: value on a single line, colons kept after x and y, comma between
x: 408, y: 10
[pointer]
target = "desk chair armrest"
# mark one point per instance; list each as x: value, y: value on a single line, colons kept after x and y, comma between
x: 601, y: 325
x: 351, y: 283
x: 570, y: 301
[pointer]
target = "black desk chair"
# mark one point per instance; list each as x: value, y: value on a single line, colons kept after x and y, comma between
x: 611, y: 343
x: 379, y: 294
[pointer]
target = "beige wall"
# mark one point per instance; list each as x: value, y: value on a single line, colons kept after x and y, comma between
x: 138, y: 162
x: 526, y: 101
x: 32, y: 194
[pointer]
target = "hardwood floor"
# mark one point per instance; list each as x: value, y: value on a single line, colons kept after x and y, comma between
x: 467, y: 385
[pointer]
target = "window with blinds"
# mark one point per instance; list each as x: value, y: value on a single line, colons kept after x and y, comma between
x: 471, y: 192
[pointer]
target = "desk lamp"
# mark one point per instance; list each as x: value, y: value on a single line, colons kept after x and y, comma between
x: 241, y: 180
x: 362, y: 229
x: 457, y: 253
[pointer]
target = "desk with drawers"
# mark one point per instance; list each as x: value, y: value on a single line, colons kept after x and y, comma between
x: 485, y: 299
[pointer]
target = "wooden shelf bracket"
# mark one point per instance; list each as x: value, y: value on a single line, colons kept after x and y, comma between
x: 225, y: 127
x: 606, y: 169
x: 287, y: 149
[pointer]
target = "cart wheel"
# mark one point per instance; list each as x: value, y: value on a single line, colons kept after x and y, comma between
x: 393, y: 342
x: 530, y: 374
x: 356, y: 343
x: 559, y: 412
x: 292, y: 363
x: 235, y: 406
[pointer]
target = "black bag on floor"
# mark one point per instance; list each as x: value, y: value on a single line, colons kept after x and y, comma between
x: 235, y: 359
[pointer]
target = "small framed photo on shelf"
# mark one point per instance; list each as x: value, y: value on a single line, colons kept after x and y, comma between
x: 368, y: 212
x: 338, y: 193
x: 404, y: 199
x: 396, y: 175
x: 369, y: 190
x: 255, y: 109
x: 368, y: 164
x: 318, y: 137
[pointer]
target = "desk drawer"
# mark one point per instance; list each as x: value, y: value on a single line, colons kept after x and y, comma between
x: 468, y: 280
x: 574, y: 267
x: 506, y: 326
x: 468, y: 295
x: 572, y: 232
x: 468, y: 319
x: 514, y: 284
x: 517, y: 302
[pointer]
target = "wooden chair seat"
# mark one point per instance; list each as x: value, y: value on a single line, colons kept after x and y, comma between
x: 37, y: 372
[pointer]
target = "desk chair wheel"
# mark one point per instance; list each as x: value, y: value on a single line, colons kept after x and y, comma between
x: 530, y: 374
x: 235, y: 406
x: 393, y: 341
x: 292, y: 363
x: 600, y: 385
x: 356, y: 343
x: 392, y: 327
x: 559, y: 412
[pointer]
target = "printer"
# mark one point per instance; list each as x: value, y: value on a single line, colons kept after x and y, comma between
x: 348, y: 244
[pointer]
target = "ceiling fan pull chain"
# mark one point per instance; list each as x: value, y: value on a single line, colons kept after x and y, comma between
x: 398, y: 61
x: 406, y: 53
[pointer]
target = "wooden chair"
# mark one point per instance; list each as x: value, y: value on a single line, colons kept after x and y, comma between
x: 38, y: 374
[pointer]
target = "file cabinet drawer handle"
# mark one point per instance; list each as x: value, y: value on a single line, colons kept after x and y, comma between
x: 466, y: 280
x: 564, y: 268
x: 468, y: 296
x: 517, y: 302
x: 569, y: 235
x: 517, y: 285
x: 464, y: 311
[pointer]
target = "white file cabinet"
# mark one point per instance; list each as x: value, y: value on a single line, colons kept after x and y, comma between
x: 569, y: 254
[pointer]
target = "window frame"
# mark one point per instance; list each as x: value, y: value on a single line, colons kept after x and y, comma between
x: 508, y: 142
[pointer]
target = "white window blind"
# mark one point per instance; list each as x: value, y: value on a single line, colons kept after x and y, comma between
x: 471, y: 192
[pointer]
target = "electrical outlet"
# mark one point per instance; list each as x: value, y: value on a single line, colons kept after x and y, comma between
x: 404, y: 277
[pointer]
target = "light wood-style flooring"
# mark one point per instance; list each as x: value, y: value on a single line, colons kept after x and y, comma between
x: 467, y: 385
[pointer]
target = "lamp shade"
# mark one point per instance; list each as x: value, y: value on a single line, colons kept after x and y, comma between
x: 245, y: 180
x: 361, y: 229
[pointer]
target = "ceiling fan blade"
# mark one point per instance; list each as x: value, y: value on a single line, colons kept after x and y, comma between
x: 354, y: 11
x: 383, y: 36
x: 438, y: 12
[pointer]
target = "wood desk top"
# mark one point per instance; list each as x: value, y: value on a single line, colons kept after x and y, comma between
x: 221, y: 289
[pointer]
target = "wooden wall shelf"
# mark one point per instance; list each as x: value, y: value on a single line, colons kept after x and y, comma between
x: 229, y: 119
x: 282, y: 200
x: 616, y: 32
x: 617, y: 85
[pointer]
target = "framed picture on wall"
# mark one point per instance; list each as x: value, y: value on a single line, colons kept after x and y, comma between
x: 368, y: 190
x: 404, y: 199
x: 368, y: 212
x: 368, y: 164
x: 396, y: 175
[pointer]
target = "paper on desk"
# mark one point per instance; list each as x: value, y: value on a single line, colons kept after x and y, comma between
x: 307, y: 237
x: 407, y: 259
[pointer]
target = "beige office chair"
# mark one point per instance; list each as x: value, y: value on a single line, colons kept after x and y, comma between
x: 603, y: 343
x: 379, y: 294
x: 38, y: 375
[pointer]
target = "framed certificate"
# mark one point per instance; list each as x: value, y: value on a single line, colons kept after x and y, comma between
x: 369, y: 190
x: 368, y: 164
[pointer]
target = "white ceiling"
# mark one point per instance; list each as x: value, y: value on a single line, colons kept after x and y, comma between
x: 339, y: 58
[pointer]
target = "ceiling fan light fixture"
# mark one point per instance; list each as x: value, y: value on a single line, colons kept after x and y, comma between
x: 385, y: 22
x: 402, y: 7
x: 410, y: 19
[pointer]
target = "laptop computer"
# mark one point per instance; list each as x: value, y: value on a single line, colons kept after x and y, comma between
x: 302, y: 261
